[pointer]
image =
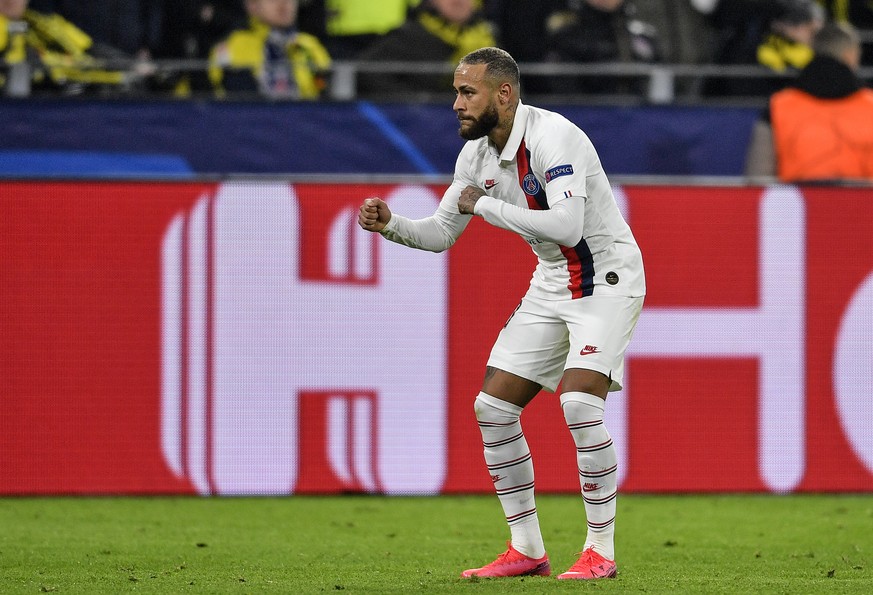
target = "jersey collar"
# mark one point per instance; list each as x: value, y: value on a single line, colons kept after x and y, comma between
x: 519, y: 125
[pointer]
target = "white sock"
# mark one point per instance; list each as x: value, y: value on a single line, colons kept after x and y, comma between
x: 509, y: 463
x: 595, y: 456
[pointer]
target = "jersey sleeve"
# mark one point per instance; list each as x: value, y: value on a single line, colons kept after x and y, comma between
x: 439, y: 231
x: 561, y: 158
x: 563, y: 161
x: 435, y: 233
x: 560, y: 225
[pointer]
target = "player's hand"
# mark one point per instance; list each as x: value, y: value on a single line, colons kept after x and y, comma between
x: 468, y: 198
x: 374, y: 214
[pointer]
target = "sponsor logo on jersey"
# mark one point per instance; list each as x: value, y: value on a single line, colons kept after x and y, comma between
x: 612, y: 277
x: 530, y: 184
x: 589, y: 349
x: 489, y: 184
x: 557, y: 172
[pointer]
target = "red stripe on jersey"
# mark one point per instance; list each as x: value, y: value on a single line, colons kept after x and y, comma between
x: 522, y: 159
x: 574, y: 268
x: 580, y: 264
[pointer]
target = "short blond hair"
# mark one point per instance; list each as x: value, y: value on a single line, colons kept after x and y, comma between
x: 834, y: 39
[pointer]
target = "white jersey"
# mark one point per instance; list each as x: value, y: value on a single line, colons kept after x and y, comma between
x: 548, y: 186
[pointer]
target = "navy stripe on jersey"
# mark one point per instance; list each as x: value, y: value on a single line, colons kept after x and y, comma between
x: 580, y: 262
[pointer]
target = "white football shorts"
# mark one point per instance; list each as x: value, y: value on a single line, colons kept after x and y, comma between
x: 542, y: 338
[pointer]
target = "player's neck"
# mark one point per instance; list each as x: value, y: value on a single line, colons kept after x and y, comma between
x: 499, y: 136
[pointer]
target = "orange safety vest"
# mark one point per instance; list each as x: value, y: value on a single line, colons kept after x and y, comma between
x: 822, y: 139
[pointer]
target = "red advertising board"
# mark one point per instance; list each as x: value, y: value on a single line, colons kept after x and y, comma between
x: 248, y: 338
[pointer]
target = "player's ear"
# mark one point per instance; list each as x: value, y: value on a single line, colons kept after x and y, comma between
x: 504, y: 93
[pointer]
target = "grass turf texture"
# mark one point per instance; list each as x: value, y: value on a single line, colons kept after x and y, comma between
x: 361, y: 544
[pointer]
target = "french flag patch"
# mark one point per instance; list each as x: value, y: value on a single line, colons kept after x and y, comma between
x: 568, y: 194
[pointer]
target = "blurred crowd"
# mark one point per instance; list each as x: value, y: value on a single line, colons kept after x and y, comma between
x: 287, y: 49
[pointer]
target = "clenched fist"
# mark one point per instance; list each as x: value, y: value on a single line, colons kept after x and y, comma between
x: 468, y: 198
x: 374, y: 214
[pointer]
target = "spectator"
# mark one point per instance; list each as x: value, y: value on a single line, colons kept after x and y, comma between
x: 350, y: 26
x: 132, y: 26
x: 160, y: 29
x: 685, y: 37
x: 271, y: 57
x: 788, y: 46
x: 859, y: 14
x: 521, y: 27
x: 189, y: 31
x: 772, y: 33
x: 684, y: 34
x: 739, y: 27
x: 600, y: 31
x: 822, y: 128
x: 191, y: 28
x: 437, y: 31
x: 46, y: 52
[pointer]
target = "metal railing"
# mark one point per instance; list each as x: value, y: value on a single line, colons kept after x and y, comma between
x: 659, y: 84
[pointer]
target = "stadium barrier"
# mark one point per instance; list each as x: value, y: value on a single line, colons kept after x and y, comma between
x: 90, y: 138
x: 655, y: 83
x: 244, y: 337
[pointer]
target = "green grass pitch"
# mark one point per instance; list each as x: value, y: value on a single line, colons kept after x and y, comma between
x: 361, y: 544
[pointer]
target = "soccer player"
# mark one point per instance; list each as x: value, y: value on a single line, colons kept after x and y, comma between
x: 533, y: 172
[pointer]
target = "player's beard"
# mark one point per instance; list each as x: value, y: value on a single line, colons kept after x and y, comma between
x: 482, y: 125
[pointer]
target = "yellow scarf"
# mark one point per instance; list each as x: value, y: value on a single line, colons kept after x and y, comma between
x: 463, y: 38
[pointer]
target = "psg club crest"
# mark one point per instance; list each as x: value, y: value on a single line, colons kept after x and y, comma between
x: 530, y: 184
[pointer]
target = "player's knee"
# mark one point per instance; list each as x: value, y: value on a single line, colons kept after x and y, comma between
x: 579, y: 407
x: 491, y: 408
x: 586, y: 381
